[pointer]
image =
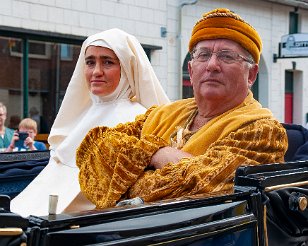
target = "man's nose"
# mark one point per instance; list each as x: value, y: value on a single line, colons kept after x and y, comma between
x: 213, y: 62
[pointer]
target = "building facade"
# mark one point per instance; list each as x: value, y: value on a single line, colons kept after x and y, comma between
x: 40, y: 42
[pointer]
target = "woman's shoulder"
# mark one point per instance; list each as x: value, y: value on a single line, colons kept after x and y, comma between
x: 9, y: 132
x: 130, y: 107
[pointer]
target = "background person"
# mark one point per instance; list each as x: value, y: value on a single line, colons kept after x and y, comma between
x: 6, y: 133
x: 113, y: 82
x: 14, y: 122
x: 40, y: 121
x: 28, y: 126
x: 192, y: 146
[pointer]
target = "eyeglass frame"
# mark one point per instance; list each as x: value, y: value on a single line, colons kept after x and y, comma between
x: 246, y: 59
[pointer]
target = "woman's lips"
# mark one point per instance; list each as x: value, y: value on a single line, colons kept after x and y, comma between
x: 98, y: 81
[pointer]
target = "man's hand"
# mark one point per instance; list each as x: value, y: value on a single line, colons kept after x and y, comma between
x: 167, y: 154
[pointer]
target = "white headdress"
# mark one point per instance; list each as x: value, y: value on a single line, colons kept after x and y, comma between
x: 136, y: 70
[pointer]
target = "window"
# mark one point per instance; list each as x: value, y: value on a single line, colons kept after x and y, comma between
x: 66, y: 52
x: 293, y: 22
x: 36, y: 80
x: 39, y: 50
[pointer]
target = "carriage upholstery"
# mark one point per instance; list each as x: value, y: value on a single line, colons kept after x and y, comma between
x: 298, y: 142
x: 18, y: 169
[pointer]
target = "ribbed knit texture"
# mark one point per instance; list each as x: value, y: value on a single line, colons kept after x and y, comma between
x: 112, y: 161
x: 222, y: 23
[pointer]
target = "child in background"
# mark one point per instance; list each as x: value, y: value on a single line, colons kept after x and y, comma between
x: 28, y: 128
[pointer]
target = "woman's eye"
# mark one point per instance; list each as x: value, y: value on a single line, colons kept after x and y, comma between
x: 108, y: 62
x: 90, y: 63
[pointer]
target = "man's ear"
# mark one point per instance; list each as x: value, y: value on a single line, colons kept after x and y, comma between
x: 253, y: 72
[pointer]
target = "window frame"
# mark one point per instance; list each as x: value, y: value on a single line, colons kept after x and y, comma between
x: 46, y: 54
x: 28, y: 35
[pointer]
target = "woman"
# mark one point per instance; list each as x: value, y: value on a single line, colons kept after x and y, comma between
x: 113, y: 82
x: 6, y: 134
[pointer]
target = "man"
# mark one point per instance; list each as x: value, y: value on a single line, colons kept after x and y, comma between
x: 191, y: 146
x: 6, y: 133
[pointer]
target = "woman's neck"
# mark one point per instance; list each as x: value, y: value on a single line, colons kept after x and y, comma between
x: 2, y: 130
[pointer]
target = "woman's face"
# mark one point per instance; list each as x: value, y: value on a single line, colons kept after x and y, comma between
x: 102, y: 70
x: 2, y: 116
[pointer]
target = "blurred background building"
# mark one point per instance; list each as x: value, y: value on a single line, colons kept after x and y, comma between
x: 40, y: 42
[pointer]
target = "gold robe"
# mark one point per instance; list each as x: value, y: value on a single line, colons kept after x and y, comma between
x: 113, y: 161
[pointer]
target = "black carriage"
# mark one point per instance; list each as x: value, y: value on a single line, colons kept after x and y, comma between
x: 267, y: 207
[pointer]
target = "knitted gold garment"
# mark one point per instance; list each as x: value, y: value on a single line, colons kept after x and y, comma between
x: 112, y: 161
x: 109, y: 160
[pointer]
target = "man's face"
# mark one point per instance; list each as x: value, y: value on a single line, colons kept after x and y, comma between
x: 2, y: 116
x: 218, y: 81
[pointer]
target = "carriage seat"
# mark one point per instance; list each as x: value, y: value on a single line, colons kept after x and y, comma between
x: 298, y: 142
x: 18, y: 169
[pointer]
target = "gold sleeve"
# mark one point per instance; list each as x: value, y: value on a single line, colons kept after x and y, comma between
x: 112, y: 159
x: 261, y: 142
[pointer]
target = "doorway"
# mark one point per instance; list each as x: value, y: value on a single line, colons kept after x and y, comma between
x: 288, y: 97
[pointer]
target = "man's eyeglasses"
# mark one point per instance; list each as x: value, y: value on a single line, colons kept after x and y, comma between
x: 226, y: 56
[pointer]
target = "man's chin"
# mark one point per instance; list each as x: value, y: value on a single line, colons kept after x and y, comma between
x: 208, y: 91
x: 210, y: 95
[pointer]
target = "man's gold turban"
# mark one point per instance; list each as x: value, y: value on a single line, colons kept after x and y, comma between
x: 222, y: 23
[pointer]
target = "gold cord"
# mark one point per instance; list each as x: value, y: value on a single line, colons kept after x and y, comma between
x: 182, y: 133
